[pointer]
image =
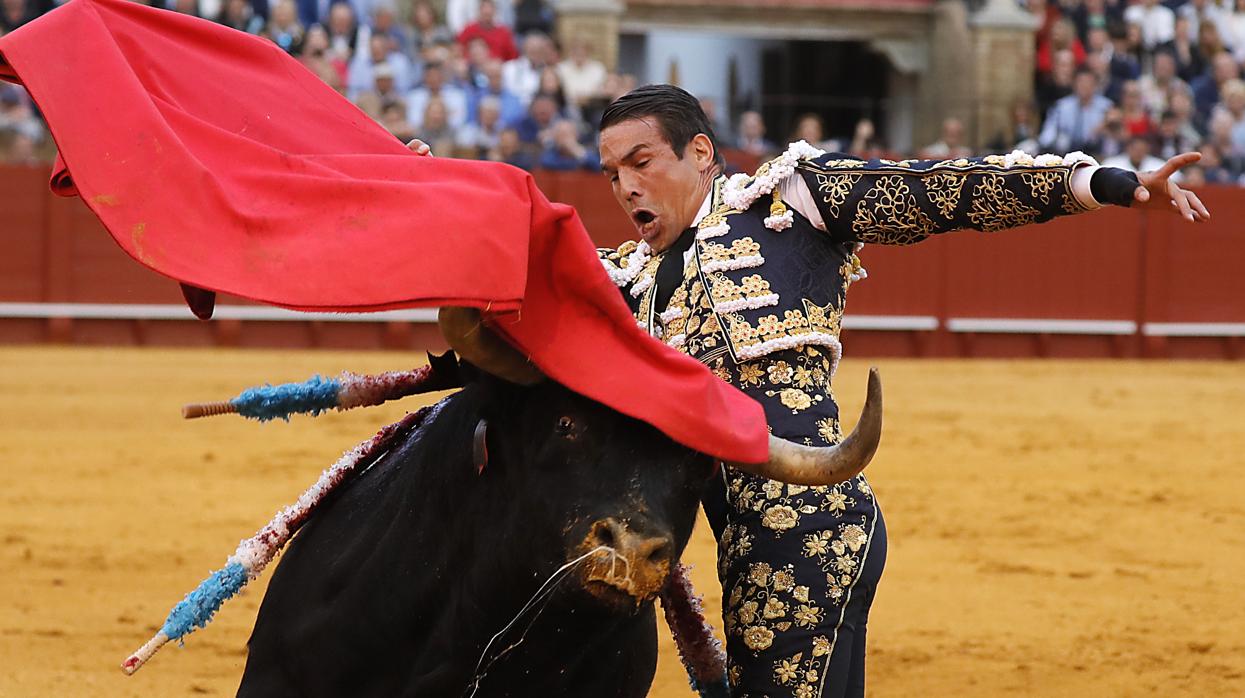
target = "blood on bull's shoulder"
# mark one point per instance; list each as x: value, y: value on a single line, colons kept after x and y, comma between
x: 429, y: 575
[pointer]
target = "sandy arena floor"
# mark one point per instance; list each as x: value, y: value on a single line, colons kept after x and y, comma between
x: 1056, y: 528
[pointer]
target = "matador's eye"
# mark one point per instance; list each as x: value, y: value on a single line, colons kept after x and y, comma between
x: 566, y: 427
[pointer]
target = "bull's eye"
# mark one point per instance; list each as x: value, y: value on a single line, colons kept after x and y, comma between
x: 566, y: 427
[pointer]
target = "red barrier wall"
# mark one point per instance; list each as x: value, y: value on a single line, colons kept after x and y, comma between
x: 1113, y: 265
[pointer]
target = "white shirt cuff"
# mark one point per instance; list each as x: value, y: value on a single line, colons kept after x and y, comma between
x: 1080, y: 186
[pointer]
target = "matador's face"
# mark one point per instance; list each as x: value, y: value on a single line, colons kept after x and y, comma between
x: 658, y: 189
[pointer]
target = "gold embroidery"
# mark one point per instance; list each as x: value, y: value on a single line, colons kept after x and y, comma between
x: 1071, y: 205
x: 995, y: 207
x: 780, y: 518
x: 794, y: 398
x: 750, y: 288
x: 829, y: 431
x: 1042, y: 182
x: 836, y: 188
x: 740, y: 247
x: 888, y: 213
x: 943, y: 191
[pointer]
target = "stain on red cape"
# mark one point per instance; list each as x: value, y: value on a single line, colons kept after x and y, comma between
x: 217, y: 160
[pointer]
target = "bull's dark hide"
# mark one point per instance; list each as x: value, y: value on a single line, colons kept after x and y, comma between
x: 398, y: 582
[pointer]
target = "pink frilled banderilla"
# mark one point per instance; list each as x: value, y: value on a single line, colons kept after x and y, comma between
x: 254, y: 553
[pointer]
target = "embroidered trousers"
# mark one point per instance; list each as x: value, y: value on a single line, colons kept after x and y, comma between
x: 799, y: 566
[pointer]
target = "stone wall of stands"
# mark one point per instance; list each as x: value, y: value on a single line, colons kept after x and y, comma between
x: 1116, y: 283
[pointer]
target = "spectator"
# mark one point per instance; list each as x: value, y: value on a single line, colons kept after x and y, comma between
x: 1209, y: 41
x: 1213, y: 169
x: 522, y: 75
x: 533, y: 16
x: 15, y: 13
x: 510, y: 150
x: 1136, y: 157
x: 1072, y: 121
x: 1021, y: 134
x: 752, y: 135
x: 583, y: 77
x: 509, y: 105
x: 1157, y: 23
x: 1133, y: 44
x: 385, y: 23
x: 535, y: 130
x: 314, y: 55
x: 1206, y: 88
x: 283, y: 28
x: 498, y: 37
x: 427, y: 32
x: 1200, y: 12
x: 343, y: 30
x: 565, y: 152
x: 393, y: 118
x: 1234, y: 32
x: 1219, y: 134
x: 811, y: 129
x: 483, y: 132
x: 477, y: 56
x: 454, y: 101
x: 864, y: 144
x: 1095, y: 14
x: 460, y: 13
x: 1190, y: 62
x: 379, y: 55
x: 1137, y: 120
x: 1111, y: 136
x: 951, y: 145
x: 1062, y: 38
x: 383, y: 92
x: 1233, y: 106
x: 435, y: 128
x: 238, y: 14
x: 1170, y: 140
x: 1181, y: 104
x: 1156, y: 87
x: 1059, y: 84
x: 1108, y: 86
x: 551, y: 86
x: 1193, y: 177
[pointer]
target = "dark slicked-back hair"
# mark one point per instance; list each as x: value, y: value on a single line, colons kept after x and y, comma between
x: 679, y: 116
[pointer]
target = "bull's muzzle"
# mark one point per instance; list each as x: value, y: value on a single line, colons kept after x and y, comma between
x: 626, y: 565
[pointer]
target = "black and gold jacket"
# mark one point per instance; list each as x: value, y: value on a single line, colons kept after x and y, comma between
x: 749, y: 290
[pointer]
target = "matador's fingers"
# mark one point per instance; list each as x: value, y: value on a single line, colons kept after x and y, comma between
x: 1175, y: 164
x: 1180, y: 198
x: 1198, y: 207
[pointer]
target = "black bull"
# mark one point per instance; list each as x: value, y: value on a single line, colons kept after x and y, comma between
x: 403, y: 580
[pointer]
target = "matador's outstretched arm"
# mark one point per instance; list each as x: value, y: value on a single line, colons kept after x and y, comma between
x: 899, y: 203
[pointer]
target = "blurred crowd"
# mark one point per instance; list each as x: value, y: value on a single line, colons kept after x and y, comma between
x: 1129, y: 82
x: 1134, y: 83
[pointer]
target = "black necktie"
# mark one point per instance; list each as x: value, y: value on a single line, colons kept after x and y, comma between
x: 670, y: 270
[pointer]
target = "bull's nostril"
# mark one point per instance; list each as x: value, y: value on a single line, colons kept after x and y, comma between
x: 660, y: 554
x: 605, y: 537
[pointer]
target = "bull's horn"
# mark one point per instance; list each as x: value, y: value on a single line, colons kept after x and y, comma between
x: 466, y: 332
x: 808, y: 465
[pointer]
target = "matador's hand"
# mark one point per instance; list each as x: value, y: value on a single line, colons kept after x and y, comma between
x: 1157, y: 191
x: 420, y: 147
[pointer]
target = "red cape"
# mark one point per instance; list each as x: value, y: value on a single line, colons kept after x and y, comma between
x: 217, y: 160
